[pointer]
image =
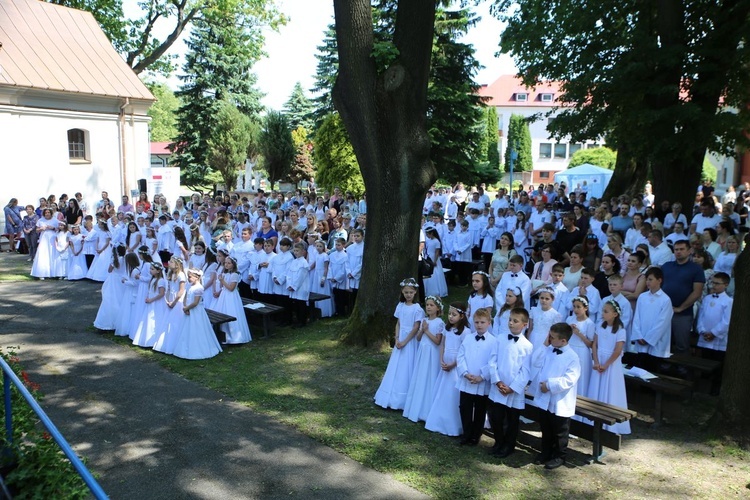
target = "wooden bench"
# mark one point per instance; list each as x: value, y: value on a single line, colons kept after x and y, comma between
x: 265, y: 312
x: 597, y: 412
x: 217, y: 319
x: 662, y: 385
x: 315, y: 297
x: 695, y: 366
x: 600, y: 414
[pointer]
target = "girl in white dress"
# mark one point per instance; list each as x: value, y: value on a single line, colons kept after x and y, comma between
x: 197, y: 256
x: 542, y: 317
x: 521, y: 235
x: 123, y: 326
x: 427, y: 364
x: 46, y: 226
x: 229, y: 302
x: 321, y: 284
x: 198, y: 340
x: 154, y: 315
x: 152, y: 243
x: 481, y: 297
x: 444, y: 416
x: 98, y: 269
x: 172, y: 328
x: 395, y: 384
x: 583, y: 338
x: 132, y: 237
x: 89, y: 241
x: 76, y: 258
x: 607, y: 382
x: 513, y: 299
x: 435, y: 284
x: 61, y: 253
x: 144, y: 278
x: 106, y: 317
x: 208, y: 280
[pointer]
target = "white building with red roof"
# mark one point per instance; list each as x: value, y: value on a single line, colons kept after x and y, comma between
x: 73, y: 115
x: 509, y: 96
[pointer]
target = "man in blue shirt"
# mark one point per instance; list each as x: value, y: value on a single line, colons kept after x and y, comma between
x: 621, y: 223
x: 683, y: 283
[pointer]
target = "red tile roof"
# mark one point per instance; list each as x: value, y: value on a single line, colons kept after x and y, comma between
x: 160, y: 148
x: 502, y: 92
x: 48, y: 46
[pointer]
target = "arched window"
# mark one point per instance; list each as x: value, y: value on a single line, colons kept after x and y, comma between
x: 78, y: 144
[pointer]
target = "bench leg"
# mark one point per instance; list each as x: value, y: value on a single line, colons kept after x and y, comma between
x: 266, y: 326
x: 657, y: 409
x: 220, y: 335
x: 596, y: 453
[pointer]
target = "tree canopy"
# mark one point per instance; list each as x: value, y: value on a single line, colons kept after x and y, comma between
x: 277, y: 146
x: 163, y: 113
x: 519, y: 139
x: 601, y: 157
x: 299, y: 108
x: 228, y: 144
x: 335, y: 159
x: 137, y: 39
x: 217, y: 67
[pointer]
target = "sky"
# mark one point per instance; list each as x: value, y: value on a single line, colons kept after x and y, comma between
x: 291, y: 51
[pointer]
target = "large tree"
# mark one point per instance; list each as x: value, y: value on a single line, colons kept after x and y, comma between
x: 299, y: 109
x: 163, y: 113
x: 217, y: 67
x: 335, y: 158
x: 145, y: 41
x: 228, y: 144
x: 454, y: 109
x: 384, y: 106
x: 647, y: 75
x: 519, y: 140
x: 277, y: 146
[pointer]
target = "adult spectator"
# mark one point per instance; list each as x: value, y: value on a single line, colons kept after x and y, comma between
x: 633, y: 280
x: 634, y: 235
x: 475, y: 203
x: 614, y: 246
x: 483, y: 195
x: 708, y: 237
x: 658, y: 250
x: 707, y: 189
x: 677, y: 234
x: 708, y: 218
x: 104, y: 203
x: 548, y: 231
x: 538, y: 218
x: 500, y: 203
x: 581, y: 217
x: 674, y: 216
x: 623, y: 221
x: 592, y: 254
x: 573, y: 271
x: 568, y: 237
x: 74, y: 214
x: 13, y: 223
x: 610, y: 266
x: 461, y: 194
x: 523, y: 204
x: 683, y: 283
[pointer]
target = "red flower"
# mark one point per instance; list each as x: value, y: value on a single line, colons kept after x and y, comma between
x: 46, y: 435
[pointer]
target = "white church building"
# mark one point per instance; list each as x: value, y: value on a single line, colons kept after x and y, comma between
x: 72, y: 112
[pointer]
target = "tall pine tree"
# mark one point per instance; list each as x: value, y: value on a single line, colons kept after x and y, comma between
x: 223, y: 47
x: 299, y: 108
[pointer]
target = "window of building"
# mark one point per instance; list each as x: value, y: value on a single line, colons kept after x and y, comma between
x: 522, y: 97
x: 561, y: 150
x: 545, y: 97
x: 78, y: 149
x: 545, y: 150
x: 572, y: 148
x: 544, y: 175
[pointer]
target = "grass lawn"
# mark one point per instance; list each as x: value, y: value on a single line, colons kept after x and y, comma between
x: 308, y: 380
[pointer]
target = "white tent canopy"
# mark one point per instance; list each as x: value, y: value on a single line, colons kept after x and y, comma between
x: 596, y: 178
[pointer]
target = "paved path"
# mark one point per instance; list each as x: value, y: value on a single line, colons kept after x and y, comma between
x: 147, y: 432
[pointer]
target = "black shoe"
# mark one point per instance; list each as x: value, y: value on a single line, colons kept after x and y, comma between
x: 541, y: 458
x: 554, y: 463
x: 504, y: 452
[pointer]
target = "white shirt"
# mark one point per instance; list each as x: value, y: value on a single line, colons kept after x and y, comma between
x: 474, y: 359
x: 660, y: 254
x: 702, y: 223
x: 652, y: 322
x: 510, y: 363
x: 512, y: 280
x: 561, y: 373
x: 713, y: 317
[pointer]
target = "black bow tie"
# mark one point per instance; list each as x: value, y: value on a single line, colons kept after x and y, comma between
x: 479, y: 337
x: 716, y: 295
x: 514, y: 275
x: 513, y: 337
x: 557, y: 351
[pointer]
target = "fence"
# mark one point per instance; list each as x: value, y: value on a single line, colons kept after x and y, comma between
x: 10, y: 377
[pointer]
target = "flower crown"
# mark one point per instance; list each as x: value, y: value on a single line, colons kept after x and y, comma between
x: 459, y: 311
x: 409, y: 282
x: 481, y: 272
x: 615, y: 306
x: 436, y: 300
x: 583, y: 300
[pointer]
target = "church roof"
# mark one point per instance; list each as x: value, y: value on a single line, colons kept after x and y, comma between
x: 47, y: 46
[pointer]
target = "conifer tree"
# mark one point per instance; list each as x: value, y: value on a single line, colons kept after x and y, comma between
x: 299, y: 108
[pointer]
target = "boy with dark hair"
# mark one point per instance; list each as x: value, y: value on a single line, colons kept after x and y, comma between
x: 557, y: 369
x: 713, y: 324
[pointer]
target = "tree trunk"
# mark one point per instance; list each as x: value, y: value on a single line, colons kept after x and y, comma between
x: 385, y: 116
x: 732, y: 418
x: 629, y: 176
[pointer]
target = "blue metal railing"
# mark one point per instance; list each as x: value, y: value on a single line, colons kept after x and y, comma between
x: 10, y: 376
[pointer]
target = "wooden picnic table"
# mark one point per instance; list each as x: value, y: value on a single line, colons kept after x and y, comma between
x: 265, y: 312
